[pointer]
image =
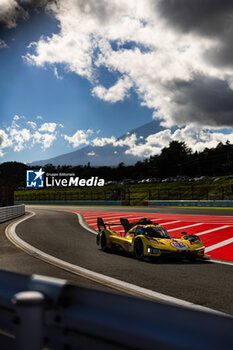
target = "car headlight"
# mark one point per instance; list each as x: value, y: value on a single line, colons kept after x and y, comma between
x: 152, y: 250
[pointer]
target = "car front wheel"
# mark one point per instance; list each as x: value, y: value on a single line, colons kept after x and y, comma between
x: 138, y: 249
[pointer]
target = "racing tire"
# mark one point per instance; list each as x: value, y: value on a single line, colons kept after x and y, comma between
x: 138, y: 249
x: 98, y: 239
x: 103, y: 241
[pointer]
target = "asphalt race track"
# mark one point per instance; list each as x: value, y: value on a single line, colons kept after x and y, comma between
x: 58, y: 233
x: 14, y: 259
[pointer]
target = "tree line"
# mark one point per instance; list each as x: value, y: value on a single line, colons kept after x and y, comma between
x: 176, y: 159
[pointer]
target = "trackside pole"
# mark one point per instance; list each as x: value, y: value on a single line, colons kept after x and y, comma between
x: 29, y: 329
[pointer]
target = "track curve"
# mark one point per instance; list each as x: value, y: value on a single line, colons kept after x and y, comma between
x: 59, y: 233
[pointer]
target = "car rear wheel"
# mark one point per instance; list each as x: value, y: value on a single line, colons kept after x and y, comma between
x: 98, y: 239
x: 103, y: 241
x: 138, y: 249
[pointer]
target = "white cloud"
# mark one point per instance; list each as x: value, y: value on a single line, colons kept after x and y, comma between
x: 16, y: 117
x: 159, y: 63
x: 39, y: 117
x: 46, y: 140
x: 18, y: 137
x: 5, y: 142
x: 194, y: 136
x: 116, y: 93
x: 33, y: 125
x: 127, y: 141
x: 3, y: 44
x: 92, y: 153
x: 103, y: 141
x: 48, y: 127
x: 59, y: 77
x: 80, y: 137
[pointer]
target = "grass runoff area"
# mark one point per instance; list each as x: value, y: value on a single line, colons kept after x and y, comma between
x: 135, y: 194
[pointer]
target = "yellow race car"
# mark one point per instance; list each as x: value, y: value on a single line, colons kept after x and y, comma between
x: 144, y: 238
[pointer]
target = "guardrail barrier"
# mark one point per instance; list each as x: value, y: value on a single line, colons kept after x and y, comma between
x: 8, y: 213
x: 38, y: 312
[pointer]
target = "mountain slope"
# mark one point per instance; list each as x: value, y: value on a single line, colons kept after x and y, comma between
x: 107, y: 155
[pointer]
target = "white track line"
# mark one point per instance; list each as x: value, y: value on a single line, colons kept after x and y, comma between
x: 105, y: 215
x: 89, y: 216
x: 112, y: 217
x: 121, y: 216
x: 84, y: 224
x: 97, y: 277
x: 170, y: 222
x: 181, y: 228
x: 221, y: 262
x: 212, y: 230
x: 219, y: 245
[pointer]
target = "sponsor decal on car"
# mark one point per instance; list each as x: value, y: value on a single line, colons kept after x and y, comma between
x: 179, y: 245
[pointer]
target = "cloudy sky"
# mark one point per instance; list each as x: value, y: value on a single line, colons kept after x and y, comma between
x: 79, y: 72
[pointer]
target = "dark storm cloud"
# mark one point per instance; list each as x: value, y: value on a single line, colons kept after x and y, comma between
x: 221, y: 55
x: 13, y: 11
x: 9, y: 14
x: 208, y: 18
x: 204, y: 100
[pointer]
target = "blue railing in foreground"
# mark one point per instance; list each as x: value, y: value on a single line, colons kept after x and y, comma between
x: 37, y: 312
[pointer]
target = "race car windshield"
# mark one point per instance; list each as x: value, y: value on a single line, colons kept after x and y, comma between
x: 157, y: 232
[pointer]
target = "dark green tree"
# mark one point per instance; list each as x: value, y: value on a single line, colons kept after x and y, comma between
x: 173, y: 158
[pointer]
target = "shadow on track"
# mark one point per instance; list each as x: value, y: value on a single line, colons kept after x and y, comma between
x: 160, y: 260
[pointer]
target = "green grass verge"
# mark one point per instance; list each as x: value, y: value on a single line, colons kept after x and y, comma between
x: 135, y: 193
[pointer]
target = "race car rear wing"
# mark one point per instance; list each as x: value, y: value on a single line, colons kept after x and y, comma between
x: 102, y: 225
x: 123, y: 222
x: 128, y: 225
